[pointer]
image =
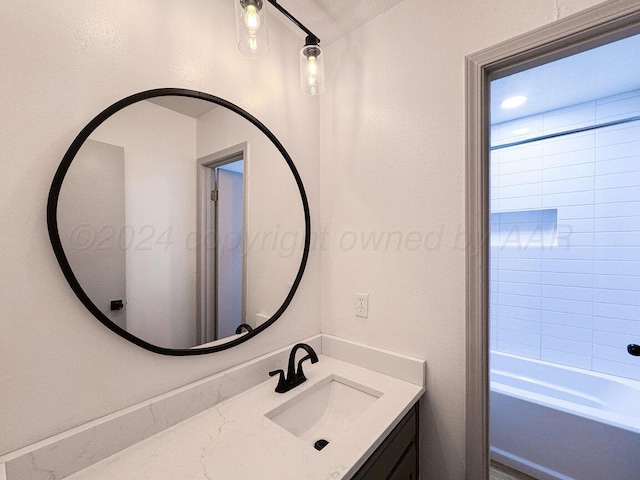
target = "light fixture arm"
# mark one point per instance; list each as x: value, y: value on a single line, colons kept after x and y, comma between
x: 314, y: 38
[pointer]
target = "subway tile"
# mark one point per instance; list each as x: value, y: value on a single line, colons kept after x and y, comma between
x: 566, y: 279
x: 505, y: 335
x: 619, y: 239
x: 618, y: 151
x: 618, y: 180
x: 622, y: 267
x: 612, y: 339
x: 618, y: 224
x: 584, y: 225
x: 567, y: 266
x: 533, y: 276
x: 617, y: 134
x: 566, y: 345
x: 522, y: 178
x: 573, y: 185
x: 526, y: 190
x: 568, y: 253
x: 566, y: 332
x: 615, y: 354
x: 617, y: 282
x: 619, y: 316
x: 616, y: 253
x: 571, y: 199
x: 566, y: 306
x: 618, y: 209
x: 567, y: 238
x: 493, y: 343
x: 563, y: 159
x: 617, y: 195
x: 566, y: 358
x: 567, y: 293
x: 567, y: 319
x: 519, y: 325
x: 522, y: 301
x: 616, y: 368
x: 530, y: 265
x: 570, y: 143
x: 530, y: 314
x: 570, y: 172
x: 518, y: 203
x: 570, y: 212
x: 519, y: 166
x: 511, y: 288
x: 520, y: 152
x: 619, y: 297
x: 513, y: 252
x: 495, y: 192
x: 529, y: 351
x: 618, y: 165
x: 615, y: 324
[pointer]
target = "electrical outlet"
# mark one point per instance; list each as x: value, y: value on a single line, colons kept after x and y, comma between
x: 362, y: 305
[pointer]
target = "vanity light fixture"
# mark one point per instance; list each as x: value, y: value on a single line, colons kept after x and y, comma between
x: 253, y: 41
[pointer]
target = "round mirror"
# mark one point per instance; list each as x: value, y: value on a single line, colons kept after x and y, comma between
x: 180, y: 222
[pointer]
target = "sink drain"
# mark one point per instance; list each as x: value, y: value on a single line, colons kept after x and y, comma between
x: 320, y: 444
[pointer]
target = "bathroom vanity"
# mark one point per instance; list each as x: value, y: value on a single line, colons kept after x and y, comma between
x: 360, y: 400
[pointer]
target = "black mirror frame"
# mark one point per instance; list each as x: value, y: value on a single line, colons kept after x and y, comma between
x: 54, y: 236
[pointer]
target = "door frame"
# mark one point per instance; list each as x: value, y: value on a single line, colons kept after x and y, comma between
x: 205, y: 301
x: 595, y: 26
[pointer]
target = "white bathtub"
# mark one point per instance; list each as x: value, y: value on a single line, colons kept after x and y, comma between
x: 555, y: 422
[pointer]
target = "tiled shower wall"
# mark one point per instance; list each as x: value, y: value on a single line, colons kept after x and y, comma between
x: 565, y: 235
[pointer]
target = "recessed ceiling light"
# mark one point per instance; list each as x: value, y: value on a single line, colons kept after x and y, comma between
x: 513, y: 102
x: 521, y: 131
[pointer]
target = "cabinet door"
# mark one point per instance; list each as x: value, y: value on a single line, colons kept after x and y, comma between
x: 406, y: 468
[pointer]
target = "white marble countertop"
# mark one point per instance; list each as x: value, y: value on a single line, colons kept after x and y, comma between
x: 234, y: 440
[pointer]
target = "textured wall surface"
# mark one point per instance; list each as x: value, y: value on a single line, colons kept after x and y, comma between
x: 392, y: 170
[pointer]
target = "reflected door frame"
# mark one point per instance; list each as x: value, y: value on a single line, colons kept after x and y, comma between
x: 606, y: 22
x: 207, y: 244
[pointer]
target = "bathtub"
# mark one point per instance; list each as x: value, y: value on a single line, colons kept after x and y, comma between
x: 556, y: 422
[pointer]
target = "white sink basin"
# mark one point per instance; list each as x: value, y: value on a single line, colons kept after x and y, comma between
x: 326, y: 409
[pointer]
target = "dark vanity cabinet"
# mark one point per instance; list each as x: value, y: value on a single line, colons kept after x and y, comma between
x: 397, y: 457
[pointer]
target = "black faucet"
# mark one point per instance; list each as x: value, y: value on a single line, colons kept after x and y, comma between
x: 294, y: 377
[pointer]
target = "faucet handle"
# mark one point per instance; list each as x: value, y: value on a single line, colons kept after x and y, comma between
x: 299, y: 372
x: 282, y: 383
x: 276, y: 372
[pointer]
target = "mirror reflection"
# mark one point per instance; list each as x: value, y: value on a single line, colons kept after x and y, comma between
x: 182, y: 222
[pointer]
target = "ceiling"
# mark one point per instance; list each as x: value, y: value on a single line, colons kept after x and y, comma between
x: 600, y: 72
x: 331, y: 19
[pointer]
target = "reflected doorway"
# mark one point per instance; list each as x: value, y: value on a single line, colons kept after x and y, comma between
x: 222, y: 244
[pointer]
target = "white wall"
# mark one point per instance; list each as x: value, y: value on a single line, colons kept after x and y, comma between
x: 160, y: 214
x: 392, y: 166
x: 63, y: 62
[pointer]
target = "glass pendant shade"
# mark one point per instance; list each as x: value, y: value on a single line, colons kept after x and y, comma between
x: 311, y: 68
x: 251, y: 28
